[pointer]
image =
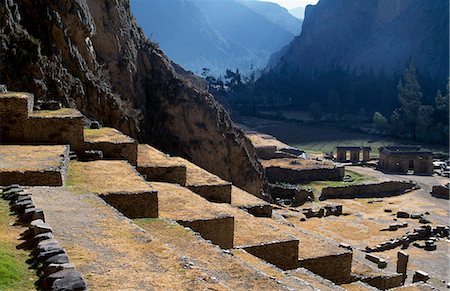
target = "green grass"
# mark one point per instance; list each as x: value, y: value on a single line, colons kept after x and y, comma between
x: 317, y: 186
x: 14, y: 272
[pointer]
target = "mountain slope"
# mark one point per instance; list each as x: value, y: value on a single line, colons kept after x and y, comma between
x: 377, y: 34
x: 277, y: 14
x: 298, y: 12
x: 217, y: 34
x: 91, y: 55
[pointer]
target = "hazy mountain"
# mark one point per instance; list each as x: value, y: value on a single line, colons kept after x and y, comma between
x: 381, y: 35
x: 298, y: 12
x: 277, y: 14
x: 217, y: 34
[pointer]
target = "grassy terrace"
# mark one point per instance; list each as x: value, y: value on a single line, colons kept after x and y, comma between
x: 14, y: 272
x: 356, y: 179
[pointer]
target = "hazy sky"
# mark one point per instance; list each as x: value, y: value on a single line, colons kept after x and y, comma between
x: 289, y: 4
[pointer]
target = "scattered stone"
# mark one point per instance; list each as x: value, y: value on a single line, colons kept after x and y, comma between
x: 424, y: 221
x: 388, y: 210
x: 402, y: 214
x: 430, y: 245
x: 43, y: 236
x: 64, y: 280
x: 393, y: 227
x: 416, y: 216
x: 91, y: 155
x: 39, y: 226
x: 57, y: 259
x: 53, y: 268
x: 345, y: 246
x: 94, y: 125
x: 403, y: 225
x: 379, y: 261
x: 303, y: 219
x: 420, y: 276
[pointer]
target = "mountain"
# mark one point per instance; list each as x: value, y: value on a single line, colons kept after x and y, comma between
x: 216, y: 34
x: 382, y: 35
x: 277, y: 14
x: 91, y: 55
x: 298, y: 12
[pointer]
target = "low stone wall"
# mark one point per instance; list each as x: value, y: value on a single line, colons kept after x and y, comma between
x: 115, y: 151
x: 54, y: 268
x: 219, y: 231
x: 283, y: 254
x: 336, y: 268
x: 32, y: 178
x: 385, y: 282
x: 220, y: 193
x: 134, y: 205
x: 172, y: 174
x: 441, y: 191
x: 382, y: 189
x: 259, y: 210
x: 277, y: 174
x: 297, y: 195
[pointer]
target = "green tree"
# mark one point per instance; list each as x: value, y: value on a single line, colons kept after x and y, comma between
x: 410, y: 95
x: 316, y: 111
x: 380, y: 122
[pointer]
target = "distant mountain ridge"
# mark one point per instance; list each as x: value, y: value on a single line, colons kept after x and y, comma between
x: 381, y: 35
x: 198, y: 34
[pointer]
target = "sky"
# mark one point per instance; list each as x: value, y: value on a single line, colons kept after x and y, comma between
x: 289, y: 4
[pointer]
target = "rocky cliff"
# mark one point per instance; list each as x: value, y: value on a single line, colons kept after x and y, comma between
x: 90, y: 54
x: 382, y: 35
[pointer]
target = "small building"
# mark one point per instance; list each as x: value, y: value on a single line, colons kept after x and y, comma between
x: 402, y: 159
x: 355, y: 153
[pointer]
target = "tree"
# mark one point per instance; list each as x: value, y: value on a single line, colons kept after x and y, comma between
x: 380, y: 122
x: 334, y: 102
x: 410, y: 96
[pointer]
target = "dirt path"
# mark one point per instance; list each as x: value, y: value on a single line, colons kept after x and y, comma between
x: 109, y: 250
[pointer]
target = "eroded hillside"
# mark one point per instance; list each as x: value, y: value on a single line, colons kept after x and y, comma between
x: 93, y: 56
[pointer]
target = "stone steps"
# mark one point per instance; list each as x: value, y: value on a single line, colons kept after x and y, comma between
x: 20, y: 124
x: 118, y: 183
x: 320, y: 255
x: 240, y: 229
x: 114, y: 144
x: 207, y: 185
x: 33, y: 165
x: 157, y: 166
x: 250, y: 203
x: 210, y: 220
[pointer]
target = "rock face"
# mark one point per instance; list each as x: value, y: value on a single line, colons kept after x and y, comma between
x: 92, y: 56
x: 382, y: 35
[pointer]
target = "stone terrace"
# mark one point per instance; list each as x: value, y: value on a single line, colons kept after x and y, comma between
x: 33, y: 165
x: 114, y: 144
x: 157, y: 166
x: 118, y: 184
x: 248, y: 202
x: 112, y: 253
x: 206, y: 184
x: 210, y: 220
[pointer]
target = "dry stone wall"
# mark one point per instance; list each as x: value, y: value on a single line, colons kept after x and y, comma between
x: 382, y: 189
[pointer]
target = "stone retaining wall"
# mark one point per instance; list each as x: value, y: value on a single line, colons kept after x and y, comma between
x: 220, y: 193
x: 134, y: 205
x: 385, y: 282
x: 336, y: 268
x: 172, y: 174
x: 297, y: 195
x: 277, y: 174
x: 219, y: 231
x: 382, y: 189
x: 56, y: 131
x: 283, y: 254
x: 441, y: 191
